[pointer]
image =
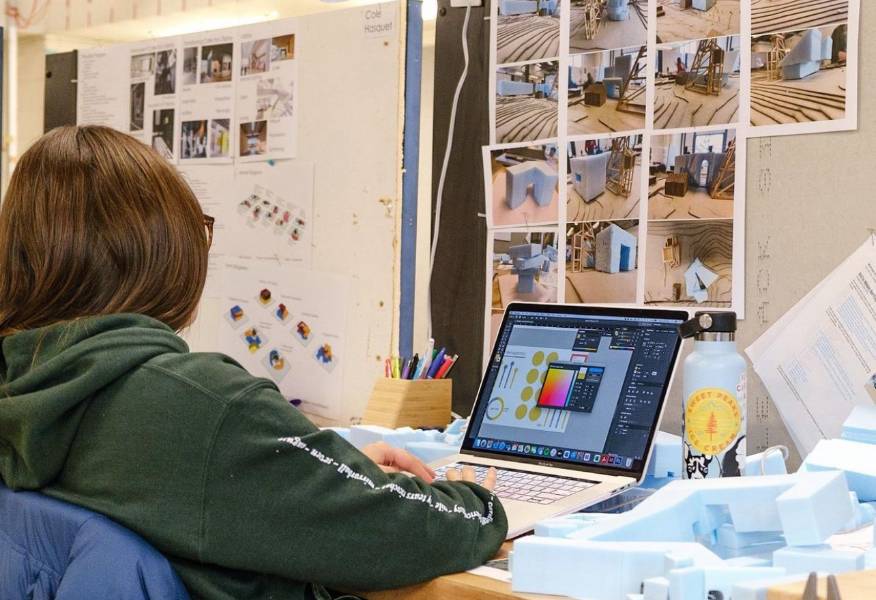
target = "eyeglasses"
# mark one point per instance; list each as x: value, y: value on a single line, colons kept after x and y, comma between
x: 208, y: 225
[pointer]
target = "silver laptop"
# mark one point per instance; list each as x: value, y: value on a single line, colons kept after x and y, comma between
x: 569, y: 405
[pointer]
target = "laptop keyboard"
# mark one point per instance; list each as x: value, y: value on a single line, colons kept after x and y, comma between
x: 524, y: 486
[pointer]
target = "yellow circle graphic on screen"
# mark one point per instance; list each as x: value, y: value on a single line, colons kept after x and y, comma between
x: 532, y: 376
x: 520, y: 412
x: 553, y: 357
x: 526, y: 394
x: 537, y: 358
x: 712, y: 420
x: 535, y: 413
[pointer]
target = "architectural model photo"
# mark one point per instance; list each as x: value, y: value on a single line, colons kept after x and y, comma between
x: 604, y: 179
x: 527, y: 102
x: 602, y: 261
x: 607, y: 91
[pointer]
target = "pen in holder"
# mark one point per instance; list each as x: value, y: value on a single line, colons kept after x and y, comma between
x: 409, y: 403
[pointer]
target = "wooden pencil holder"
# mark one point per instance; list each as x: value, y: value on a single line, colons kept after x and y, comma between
x: 409, y: 403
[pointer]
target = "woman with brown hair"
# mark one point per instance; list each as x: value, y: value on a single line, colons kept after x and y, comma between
x: 103, y: 257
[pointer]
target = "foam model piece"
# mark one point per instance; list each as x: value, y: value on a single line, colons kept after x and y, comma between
x: 807, y: 507
x: 698, y: 279
x: 805, y: 57
x: 666, y: 456
x: 613, y: 87
x: 856, y: 459
x: 704, y: 4
x: 771, y: 462
x: 589, y: 174
x: 519, y: 178
x: 860, y: 426
x: 507, y: 87
x: 517, y: 7
x: 427, y: 445
x: 805, y: 559
x: 615, y: 250
x: 617, y: 10
x: 595, y: 570
x: 544, y: 183
x: 528, y: 259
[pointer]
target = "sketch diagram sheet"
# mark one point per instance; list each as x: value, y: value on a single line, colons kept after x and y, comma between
x: 819, y: 361
x: 153, y: 95
x: 288, y: 325
x: 213, y: 185
x: 271, y: 212
x: 102, y: 99
x: 206, y: 106
x: 267, y: 103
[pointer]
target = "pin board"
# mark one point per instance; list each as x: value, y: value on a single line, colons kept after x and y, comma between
x: 809, y: 205
x: 289, y: 132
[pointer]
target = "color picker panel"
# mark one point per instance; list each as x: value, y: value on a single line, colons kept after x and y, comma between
x: 557, y: 384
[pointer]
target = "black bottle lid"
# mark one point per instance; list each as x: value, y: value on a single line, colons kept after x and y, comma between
x: 708, y: 322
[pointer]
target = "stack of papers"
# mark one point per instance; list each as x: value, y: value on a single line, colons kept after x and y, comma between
x: 818, y: 361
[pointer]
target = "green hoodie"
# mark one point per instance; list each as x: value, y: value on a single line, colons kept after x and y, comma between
x: 244, y: 495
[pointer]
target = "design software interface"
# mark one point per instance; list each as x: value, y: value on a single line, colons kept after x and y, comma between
x: 576, y: 388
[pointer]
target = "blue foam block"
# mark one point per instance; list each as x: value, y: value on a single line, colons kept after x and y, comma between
x: 517, y: 7
x: 544, y: 183
x: 518, y: 178
x: 771, y: 464
x: 703, y: 4
x: 666, y: 458
x: 856, y: 459
x: 860, y: 426
x: 601, y: 570
x: 818, y: 558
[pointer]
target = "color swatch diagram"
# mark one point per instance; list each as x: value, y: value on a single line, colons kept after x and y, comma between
x: 571, y: 386
x: 522, y: 377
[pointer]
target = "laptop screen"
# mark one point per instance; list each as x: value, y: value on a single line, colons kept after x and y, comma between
x: 581, y: 386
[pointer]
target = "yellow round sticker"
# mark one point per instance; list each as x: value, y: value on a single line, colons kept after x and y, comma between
x: 712, y: 420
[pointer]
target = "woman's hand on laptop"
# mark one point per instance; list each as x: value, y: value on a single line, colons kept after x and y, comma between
x: 396, y: 460
x: 468, y: 474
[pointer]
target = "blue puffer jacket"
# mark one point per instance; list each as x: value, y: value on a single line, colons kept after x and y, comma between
x: 53, y: 550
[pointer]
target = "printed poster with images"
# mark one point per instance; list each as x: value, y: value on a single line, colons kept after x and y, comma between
x: 212, y: 185
x: 206, y: 106
x: 288, y: 325
x: 271, y: 212
x: 267, y: 94
x: 153, y: 95
x: 616, y: 170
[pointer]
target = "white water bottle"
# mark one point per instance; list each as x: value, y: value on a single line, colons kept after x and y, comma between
x: 714, y: 407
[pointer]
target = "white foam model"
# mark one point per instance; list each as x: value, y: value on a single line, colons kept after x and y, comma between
x: 860, y: 426
x: 856, y: 459
x: 428, y: 445
x: 594, y: 570
x: 805, y: 559
x: 807, y: 507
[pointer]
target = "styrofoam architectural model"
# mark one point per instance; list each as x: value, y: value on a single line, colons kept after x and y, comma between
x: 523, y: 7
x: 703, y: 4
x: 615, y: 250
x: 528, y: 260
x: 805, y: 57
x: 535, y: 175
x: 763, y: 530
x: 428, y: 445
x: 589, y: 174
x: 698, y: 279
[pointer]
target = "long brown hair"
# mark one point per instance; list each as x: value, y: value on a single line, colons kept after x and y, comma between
x: 94, y: 223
